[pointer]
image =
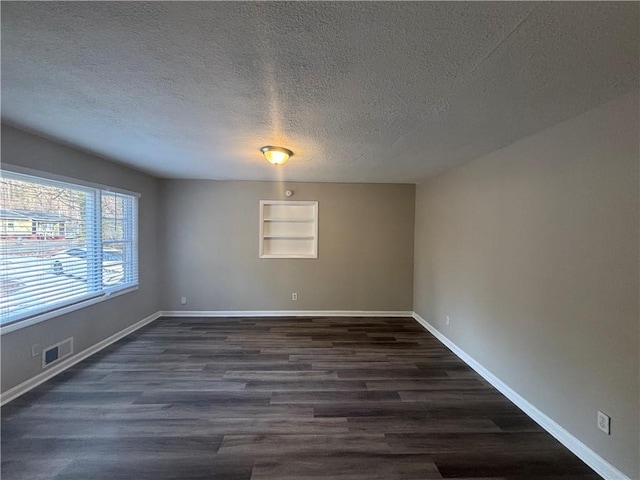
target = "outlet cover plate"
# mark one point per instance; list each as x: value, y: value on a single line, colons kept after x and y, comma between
x: 604, y: 423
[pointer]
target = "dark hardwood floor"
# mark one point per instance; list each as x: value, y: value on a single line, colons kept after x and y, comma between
x: 285, y: 399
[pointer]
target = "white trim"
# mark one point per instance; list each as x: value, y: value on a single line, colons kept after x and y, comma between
x: 588, y: 456
x: 591, y: 458
x: 33, y: 382
x: 313, y: 220
x: 61, y: 178
x: 286, y: 313
x: 27, y: 322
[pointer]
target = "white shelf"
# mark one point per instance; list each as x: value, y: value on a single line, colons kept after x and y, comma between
x: 288, y: 229
x: 288, y: 220
x: 287, y: 237
x: 288, y: 256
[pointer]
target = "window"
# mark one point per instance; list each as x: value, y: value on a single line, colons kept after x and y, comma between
x: 62, y: 244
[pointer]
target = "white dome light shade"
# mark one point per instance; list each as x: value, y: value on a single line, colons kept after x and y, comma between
x: 276, y: 155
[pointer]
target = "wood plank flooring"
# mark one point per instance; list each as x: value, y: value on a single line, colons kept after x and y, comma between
x: 276, y: 399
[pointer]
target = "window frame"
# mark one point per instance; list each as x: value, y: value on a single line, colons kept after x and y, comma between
x: 92, y: 297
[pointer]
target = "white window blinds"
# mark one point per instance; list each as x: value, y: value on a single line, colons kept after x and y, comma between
x: 62, y: 243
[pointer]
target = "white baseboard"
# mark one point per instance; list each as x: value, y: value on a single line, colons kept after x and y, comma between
x: 63, y: 365
x: 597, y: 463
x: 285, y: 313
x: 42, y: 377
x: 588, y: 456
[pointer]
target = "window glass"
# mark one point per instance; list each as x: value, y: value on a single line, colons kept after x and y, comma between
x: 62, y: 243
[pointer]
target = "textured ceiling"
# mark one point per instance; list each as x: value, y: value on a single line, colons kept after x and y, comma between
x: 361, y: 92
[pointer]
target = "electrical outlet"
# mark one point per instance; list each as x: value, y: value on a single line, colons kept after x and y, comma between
x: 448, y: 320
x: 294, y: 296
x: 35, y: 350
x: 604, y: 422
x: 183, y: 300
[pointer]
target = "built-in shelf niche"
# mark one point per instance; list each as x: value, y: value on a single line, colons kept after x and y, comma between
x: 288, y: 229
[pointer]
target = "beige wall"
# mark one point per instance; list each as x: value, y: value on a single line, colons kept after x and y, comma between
x: 210, y: 248
x: 89, y: 325
x: 533, y: 252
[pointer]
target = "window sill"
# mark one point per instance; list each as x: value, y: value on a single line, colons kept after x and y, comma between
x: 64, y: 310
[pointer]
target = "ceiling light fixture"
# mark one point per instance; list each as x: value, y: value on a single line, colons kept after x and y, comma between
x: 276, y: 155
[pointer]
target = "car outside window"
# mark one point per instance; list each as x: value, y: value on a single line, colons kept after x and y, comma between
x: 62, y: 243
